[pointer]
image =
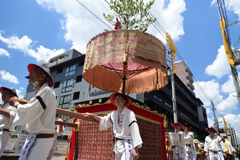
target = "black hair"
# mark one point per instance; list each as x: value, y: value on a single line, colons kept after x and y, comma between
x: 122, y: 95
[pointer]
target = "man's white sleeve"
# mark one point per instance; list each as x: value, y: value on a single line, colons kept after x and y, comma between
x: 31, y: 111
x: 134, y: 130
x: 105, y: 122
x: 224, y: 148
x: 206, y: 145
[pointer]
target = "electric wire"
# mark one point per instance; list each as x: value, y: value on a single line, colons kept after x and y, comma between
x: 237, y: 43
x: 93, y: 14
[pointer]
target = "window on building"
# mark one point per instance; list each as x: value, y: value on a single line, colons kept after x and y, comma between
x: 64, y: 118
x: 66, y: 55
x: 81, y: 63
x: 79, y: 78
x: 64, y: 101
x: 59, y: 70
x: 67, y: 85
x: 56, y: 84
x: 76, y: 95
x: 70, y: 70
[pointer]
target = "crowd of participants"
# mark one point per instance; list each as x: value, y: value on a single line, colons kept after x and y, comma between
x: 39, y: 116
x: 181, y: 145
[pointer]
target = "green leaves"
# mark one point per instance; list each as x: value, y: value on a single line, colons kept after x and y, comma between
x: 133, y: 14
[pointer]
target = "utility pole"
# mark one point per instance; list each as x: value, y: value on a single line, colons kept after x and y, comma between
x: 227, y: 45
x: 172, y: 53
x: 175, y: 118
x: 216, y: 126
x: 236, y: 82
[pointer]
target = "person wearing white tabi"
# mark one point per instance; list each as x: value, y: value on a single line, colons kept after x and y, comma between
x: 38, y: 115
x: 125, y: 128
x: 215, y: 145
x: 177, y: 142
x: 7, y: 115
x: 190, y: 153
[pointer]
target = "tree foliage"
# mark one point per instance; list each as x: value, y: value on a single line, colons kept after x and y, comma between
x: 133, y: 14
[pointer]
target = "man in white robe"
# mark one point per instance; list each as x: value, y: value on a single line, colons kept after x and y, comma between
x: 190, y: 153
x: 230, y: 149
x: 215, y: 145
x: 125, y: 128
x: 38, y: 115
x: 177, y: 142
x: 7, y: 115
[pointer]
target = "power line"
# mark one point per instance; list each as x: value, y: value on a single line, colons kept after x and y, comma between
x: 93, y: 14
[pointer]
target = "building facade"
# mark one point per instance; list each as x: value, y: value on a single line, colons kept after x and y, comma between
x: 185, y: 74
x: 70, y: 88
x: 232, y: 133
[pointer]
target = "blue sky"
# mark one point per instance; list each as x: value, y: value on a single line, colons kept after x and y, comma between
x: 36, y: 30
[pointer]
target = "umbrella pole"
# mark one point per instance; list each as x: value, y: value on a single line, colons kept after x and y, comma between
x: 124, y: 72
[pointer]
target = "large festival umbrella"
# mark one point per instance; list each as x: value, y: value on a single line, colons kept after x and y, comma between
x: 126, y: 61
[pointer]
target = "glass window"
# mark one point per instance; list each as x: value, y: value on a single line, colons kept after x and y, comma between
x: 79, y: 78
x: 76, y: 95
x: 64, y: 101
x: 67, y: 85
x: 70, y: 70
x: 59, y: 70
x: 56, y: 84
x: 81, y: 63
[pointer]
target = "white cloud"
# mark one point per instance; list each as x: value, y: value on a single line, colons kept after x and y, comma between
x: 210, y: 122
x: 213, y: 2
x: 170, y: 17
x: 3, y: 52
x: 24, y: 45
x: 220, y: 66
x: 81, y: 25
x: 20, y: 92
x: 228, y: 105
x: 211, y: 88
x: 208, y: 110
x: 228, y: 86
x: 8, y: 77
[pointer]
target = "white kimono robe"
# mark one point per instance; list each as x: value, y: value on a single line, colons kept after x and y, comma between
x: 56, y: 134
x: 190, y: 153
x: 177, y: 140
x: 6, y: 123
x: 230, y: 147
x: 215, y: 144
x: 39, y: 118
x: 127, y: 129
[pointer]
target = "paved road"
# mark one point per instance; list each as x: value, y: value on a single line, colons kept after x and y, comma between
x: 13, y: 156
x: 57, y: 157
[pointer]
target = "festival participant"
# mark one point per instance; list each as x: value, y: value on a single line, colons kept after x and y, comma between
x: 125, y: 128
x: 177, y: 142
x: 197, y: 149
x: 230, y: 149
x: 7, y: 115
x: 215, y: 145
x: 38, y: 115
x: 59, y: 129
x: 189, y: 147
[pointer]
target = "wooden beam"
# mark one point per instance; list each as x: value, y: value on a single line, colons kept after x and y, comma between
x: 74, y: 125
x: 68, y: 113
